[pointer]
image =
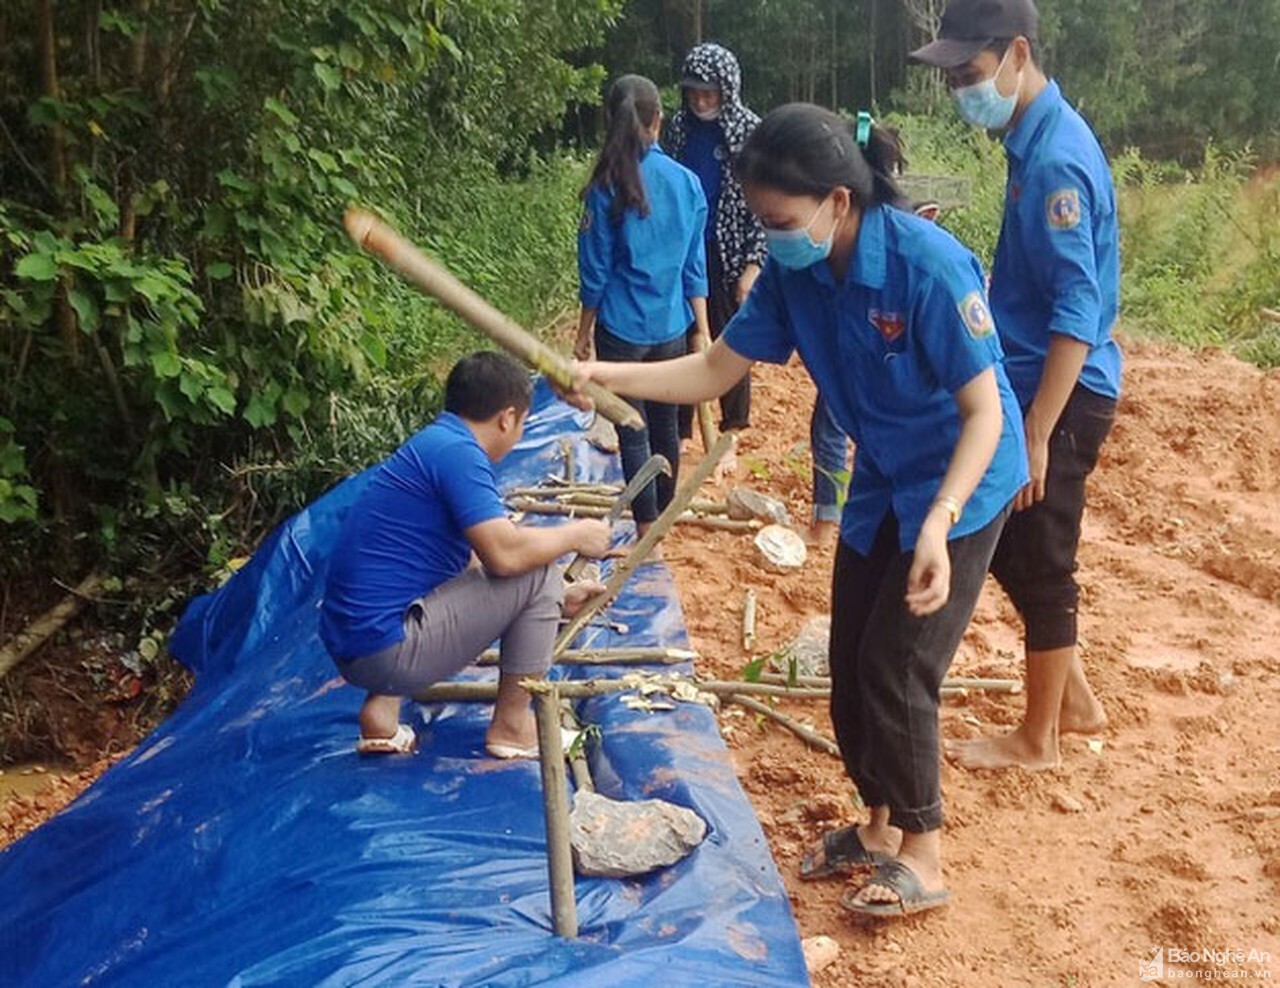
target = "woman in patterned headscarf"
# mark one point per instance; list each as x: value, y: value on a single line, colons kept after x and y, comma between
x: 705, y: 135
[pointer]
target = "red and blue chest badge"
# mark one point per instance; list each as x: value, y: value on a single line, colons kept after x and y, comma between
x: 977, y: 316
x: 891, y: 325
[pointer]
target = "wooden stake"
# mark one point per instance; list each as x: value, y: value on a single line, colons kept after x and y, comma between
x: 379, y: 238
x: 555, y: 804
x: 808, y: 735
x: 623, y: 569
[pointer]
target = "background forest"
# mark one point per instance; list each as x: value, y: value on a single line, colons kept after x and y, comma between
x: 190, y: 348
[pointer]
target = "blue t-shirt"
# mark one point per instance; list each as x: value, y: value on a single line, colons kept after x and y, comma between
x: 640, y: 273
x: 1057, y: 265
x: 704, y: 152
x: 404, y: 536
x: 888, y: 348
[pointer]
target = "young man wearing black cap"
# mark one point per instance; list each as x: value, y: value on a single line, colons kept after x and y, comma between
x: 1055, y: 297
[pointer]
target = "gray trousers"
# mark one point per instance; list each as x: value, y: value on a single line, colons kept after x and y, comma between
x: 445, y: 631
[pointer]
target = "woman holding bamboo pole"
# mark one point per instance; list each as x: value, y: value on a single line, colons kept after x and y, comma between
x: 888, y: 313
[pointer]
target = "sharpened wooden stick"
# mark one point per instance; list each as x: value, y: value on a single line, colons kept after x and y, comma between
x: 623, y: 569
x: 808, y: 735
x: 379, y: 238
x: 749, y: 621
x: 555, y: 804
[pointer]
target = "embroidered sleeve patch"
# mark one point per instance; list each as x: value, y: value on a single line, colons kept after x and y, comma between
x: 977, y: 317
x: 1063, y: 209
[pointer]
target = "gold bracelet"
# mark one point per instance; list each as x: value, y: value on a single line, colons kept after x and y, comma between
x: 954, y: 508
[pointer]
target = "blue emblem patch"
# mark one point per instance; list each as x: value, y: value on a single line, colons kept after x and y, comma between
x: 976, y: 315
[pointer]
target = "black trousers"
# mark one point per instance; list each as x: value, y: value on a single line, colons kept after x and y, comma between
x: 660, y: 434
x: 1035, y: 561
x: 735, y: 404
x: 887, y: 666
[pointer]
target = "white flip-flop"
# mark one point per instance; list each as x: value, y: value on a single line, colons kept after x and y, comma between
x: 403, y: 742
x: 506, y: 751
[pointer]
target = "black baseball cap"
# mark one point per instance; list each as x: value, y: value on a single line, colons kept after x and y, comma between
x: 969, y: 26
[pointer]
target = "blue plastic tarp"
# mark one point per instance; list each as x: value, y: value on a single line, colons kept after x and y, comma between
x: 244, y: 842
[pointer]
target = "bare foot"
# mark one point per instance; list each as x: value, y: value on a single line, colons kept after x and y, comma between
x: 821, y: 534
x: 509, y: 733
x: 1010, y: 750
x: 577, y: 594
x: 1081, y: 711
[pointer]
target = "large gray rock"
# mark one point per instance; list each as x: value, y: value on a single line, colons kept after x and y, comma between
x: 612, y: 839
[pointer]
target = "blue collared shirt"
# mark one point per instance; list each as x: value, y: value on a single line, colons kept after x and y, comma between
x: 640, y: 273
x: 1057, y: 265
x: 406, y: 535
x: 888, y: 348
x: 704, y: 152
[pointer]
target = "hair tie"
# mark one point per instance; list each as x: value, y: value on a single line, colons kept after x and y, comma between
x: 863, y: 133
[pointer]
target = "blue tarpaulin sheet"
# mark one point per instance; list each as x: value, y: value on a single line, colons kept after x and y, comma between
x: 244, y: 842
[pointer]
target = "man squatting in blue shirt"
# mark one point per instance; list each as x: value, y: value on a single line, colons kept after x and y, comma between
x: 429, y: 570
x: 1055, y: 297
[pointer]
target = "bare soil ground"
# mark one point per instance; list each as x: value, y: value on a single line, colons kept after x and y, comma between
x: 1176, y: 841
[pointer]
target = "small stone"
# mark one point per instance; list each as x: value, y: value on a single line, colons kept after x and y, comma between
x: 820, y: 952
x: 1066, y: 803
x: 744, y: 504
x: 824, y: 807
x: 809, y: 649
x: 602, y: 434
x: 613, y: 839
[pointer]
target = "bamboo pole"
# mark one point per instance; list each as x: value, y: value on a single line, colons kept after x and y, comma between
x: 530, y: 506
x: 555, y: 804
x: 950, y: 686
x: 48, y: 624
x: 609, y: 656
x: 559, y: 489
x: 486, y: 691
x: 808, y: 735
x: 623, y: 569
x: 379, y: 238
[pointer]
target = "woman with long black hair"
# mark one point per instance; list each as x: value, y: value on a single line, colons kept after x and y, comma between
x: 889, y: 314
x: 643, y: 269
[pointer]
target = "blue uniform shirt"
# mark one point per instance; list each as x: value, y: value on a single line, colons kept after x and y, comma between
x: 404, y: 536
x: 640, y: 273
x: 704, y: 152
x: 888, y: 349
x: 1057, y: 265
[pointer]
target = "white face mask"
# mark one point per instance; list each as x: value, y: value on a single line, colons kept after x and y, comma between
x: 706, y: 116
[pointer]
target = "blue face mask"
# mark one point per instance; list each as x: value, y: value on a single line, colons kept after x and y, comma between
x: 795, y: 249
x: 982, y: 105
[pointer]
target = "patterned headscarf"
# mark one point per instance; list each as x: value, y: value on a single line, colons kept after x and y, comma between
x: 739, y: 237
